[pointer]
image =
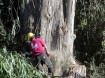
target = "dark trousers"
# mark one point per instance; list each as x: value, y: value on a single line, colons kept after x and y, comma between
x: 43, y: 59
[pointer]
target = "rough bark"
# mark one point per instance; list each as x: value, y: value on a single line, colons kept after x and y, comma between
x: 54, y: 20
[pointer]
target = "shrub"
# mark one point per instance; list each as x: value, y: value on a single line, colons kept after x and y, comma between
x: 14, y: 65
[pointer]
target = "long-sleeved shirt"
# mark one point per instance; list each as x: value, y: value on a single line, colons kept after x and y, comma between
x: 37, y: 46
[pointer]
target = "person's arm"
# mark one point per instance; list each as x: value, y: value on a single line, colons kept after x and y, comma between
x: 44, y: 45
x: 46, y: 49
x: 47, y: 52
x: 29, y: 53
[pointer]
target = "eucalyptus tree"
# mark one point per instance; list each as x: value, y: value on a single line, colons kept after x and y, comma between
x: 54, y: 21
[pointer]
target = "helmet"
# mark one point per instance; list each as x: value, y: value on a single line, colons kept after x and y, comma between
x: 30, y: 35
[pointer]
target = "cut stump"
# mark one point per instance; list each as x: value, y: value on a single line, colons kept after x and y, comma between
x: 75, y: 71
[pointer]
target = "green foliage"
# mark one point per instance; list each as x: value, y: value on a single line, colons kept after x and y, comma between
x: 90, y: 41
x: 2, y: 32
x: 14, y: 65
x: 89, y: 25
x: 97, y: 71
x: 103, y: 42
x: 9, y: 21
x: 22, y: 5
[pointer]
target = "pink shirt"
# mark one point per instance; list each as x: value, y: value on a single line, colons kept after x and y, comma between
x: 37, y: 46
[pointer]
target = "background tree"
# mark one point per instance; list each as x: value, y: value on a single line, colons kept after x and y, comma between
x: 90, y: 28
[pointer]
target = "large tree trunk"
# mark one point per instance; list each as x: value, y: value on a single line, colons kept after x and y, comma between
x: 57, y: 32
x: 54, y: 20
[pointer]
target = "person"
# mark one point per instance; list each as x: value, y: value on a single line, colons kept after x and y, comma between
x: 39, y: 51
